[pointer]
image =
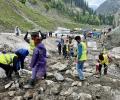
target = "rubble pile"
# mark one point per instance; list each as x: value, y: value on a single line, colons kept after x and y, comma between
x: 62, y: 82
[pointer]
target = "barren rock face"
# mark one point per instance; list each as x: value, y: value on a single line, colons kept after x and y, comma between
x: 109, y: 7
x: 113, y: 39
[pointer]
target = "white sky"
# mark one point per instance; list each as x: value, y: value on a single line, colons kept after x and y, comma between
x: 95, y: 2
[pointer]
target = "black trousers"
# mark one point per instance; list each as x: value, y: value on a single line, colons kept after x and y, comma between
x: 105, y: 69
x: 59, y: 50
x: 9, y: 69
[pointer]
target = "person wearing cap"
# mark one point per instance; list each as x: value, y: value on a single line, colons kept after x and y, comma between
x: 11, y: 62
x: 38, y: 63
x: 31, y: 41
x: 22, y: 53
x: 81, y: 56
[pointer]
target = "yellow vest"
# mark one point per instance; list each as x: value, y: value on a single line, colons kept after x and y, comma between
x: 67, y: 47
x: 7, y: 58
x: 84, y: 52
x: 106, y: 60
x: 32, y: 46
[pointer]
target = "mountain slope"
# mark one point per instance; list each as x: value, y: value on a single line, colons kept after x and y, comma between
x: 108, y: 7
x: 13, y: 13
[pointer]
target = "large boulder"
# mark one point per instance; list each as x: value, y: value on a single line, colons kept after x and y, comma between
x: 113, y: 39
x: 59, y: 66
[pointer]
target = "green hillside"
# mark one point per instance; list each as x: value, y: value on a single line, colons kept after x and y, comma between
x: 14, y: 13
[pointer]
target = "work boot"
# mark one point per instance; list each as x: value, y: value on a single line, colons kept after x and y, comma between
x: 45, y: 76
x: 9, y: 78
x: 17, y: 75
x: 30, y: 84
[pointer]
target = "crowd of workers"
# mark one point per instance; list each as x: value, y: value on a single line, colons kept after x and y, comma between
x: 15, y: 61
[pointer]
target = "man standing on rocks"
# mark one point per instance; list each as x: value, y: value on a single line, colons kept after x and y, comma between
x: 38, y: 63
x: 81, y: 56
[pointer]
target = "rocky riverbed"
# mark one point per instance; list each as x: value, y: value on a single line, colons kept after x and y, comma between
x: 62, y: 81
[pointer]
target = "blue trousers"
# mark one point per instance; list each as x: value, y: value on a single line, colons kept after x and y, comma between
x: 80, y: 69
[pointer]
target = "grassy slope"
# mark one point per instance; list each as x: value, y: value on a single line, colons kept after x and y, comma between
x: 9, y: 18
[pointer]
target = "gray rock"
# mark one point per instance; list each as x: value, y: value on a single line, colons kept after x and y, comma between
x: 87, y: 74
x: 50, y: 75
x: 68, y: 72
x: 96, y: 87
x: 20, y: 92
x: 113, y: 39
x: 9, y: 84
x: 67, y: 93
x: 69, y: 79
x: 5, y: 98
x: 18, y: 98
x: 2, y: 73
x: 115, y: 53
x: 59, y: 66
x: 75, y: 96
x: 84, y: 96
x: 28, y: 95
x: 89, y: 70
x: 38, y: 97
x: 41, y: 90
x: 86, y: 65
x: 59, y: 76
x: 76, y: 83
x: 49, y: 82
x: 11, y: 93
x: 35, y: 96
x: 115, y: 94
x: 14, y: 86
x: 74, y: 73
x: 56, y: 89
x: 107, y: 88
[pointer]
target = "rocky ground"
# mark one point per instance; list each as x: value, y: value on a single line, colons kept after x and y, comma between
x: 62, y: 81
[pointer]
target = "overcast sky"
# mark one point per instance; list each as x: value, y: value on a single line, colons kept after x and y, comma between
x: 95, y: 2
